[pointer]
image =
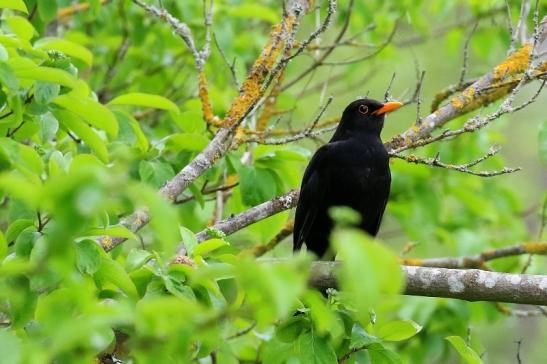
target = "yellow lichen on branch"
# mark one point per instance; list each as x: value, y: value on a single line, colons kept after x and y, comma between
x: 412, y: 261
x: 206, y: 107
x: 464, y: 99
x: 516, y: 63
x: 251, y: 89
x: 504, y: 76
x: 269, y: 105
x: 535, y: 248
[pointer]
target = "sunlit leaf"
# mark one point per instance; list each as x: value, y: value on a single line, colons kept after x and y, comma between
x: 91, y: 111
x: 14, y: 4
x: 21, y: 26
x: 188, y: 239
x: 398, y: 330
x: 146, y: 100
x: 67, y: 47
x: 208, y: 246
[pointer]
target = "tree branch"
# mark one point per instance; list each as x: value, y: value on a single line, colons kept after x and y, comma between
x: 252, y: 215
x: 478, y: 260
x: 467, y: 285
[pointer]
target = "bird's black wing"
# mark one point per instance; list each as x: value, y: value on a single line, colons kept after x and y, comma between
x: 382, y: 208
x: 312, y: 193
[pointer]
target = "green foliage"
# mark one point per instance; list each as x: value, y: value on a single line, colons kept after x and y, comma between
x: 467, y: 354
x: 98, y: 110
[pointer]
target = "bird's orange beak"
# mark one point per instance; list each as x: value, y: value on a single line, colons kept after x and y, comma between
x: 388, y: 107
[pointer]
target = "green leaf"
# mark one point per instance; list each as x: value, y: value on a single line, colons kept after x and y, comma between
x: 466, y: 353
x: 21, y: 26
x: 369, y: 269
x: 88, y: 256
x: 8, y: 77
x: 187, y: 142
x: 31, y: 71
x: 14, y: 4
x: 136, y: 259
x: 289, y: 330
x: 72, y: 122
x: 91, y: 111
x: 5, y: 160
x: 21, y: 188
x: 146, y: 100
x: 140, y: 137
x: 196, y: 192
x: 257, y: 185
x: 155, y: 173
x: 15, y: 228
x: 114, y: 231
x: 3, y: 53
x: 28, y: 159
x: 10, y: 346
x: 3, y: 246
x: 163, y: 216
x: 45, y: 92
x: 190, y: 121
x: 188, y: 239
x: 208, y: 246
x: 112, y: 272
x: 47, y: 10
x: 398, y: 330
x: 48, y: 126
x: 380, y: 355
x: 276, y: 352
x: 314, y: 349
x: 67, y: 47
x: 542, y: 142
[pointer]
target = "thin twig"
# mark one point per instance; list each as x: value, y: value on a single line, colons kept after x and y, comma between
x: 466, y: 55
x: 231, y: 66
x: 387, y: 94
x: 465, y: 168
x: 478, y: 260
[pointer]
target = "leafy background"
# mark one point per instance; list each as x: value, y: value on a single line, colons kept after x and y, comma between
x: 100, y: 108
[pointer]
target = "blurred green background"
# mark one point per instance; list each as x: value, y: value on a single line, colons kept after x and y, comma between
x: 79, y: 178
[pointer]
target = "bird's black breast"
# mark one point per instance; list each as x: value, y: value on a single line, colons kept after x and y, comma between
x: 359, y: 178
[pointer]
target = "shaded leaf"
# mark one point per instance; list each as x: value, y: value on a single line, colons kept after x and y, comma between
x: 466, y: 353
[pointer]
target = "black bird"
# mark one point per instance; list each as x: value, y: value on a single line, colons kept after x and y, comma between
x: 351, y: 170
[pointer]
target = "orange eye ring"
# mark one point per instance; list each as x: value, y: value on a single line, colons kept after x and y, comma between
x: 363, y: 109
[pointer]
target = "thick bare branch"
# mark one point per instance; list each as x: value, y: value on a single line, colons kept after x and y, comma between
x: 463, y: 284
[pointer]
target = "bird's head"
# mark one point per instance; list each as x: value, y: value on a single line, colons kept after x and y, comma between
x: 364, y: 116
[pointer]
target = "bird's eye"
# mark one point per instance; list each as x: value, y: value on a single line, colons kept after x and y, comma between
x: 363, y: 109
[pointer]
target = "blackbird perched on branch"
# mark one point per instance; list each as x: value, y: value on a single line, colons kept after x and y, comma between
x: 351, y: 170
